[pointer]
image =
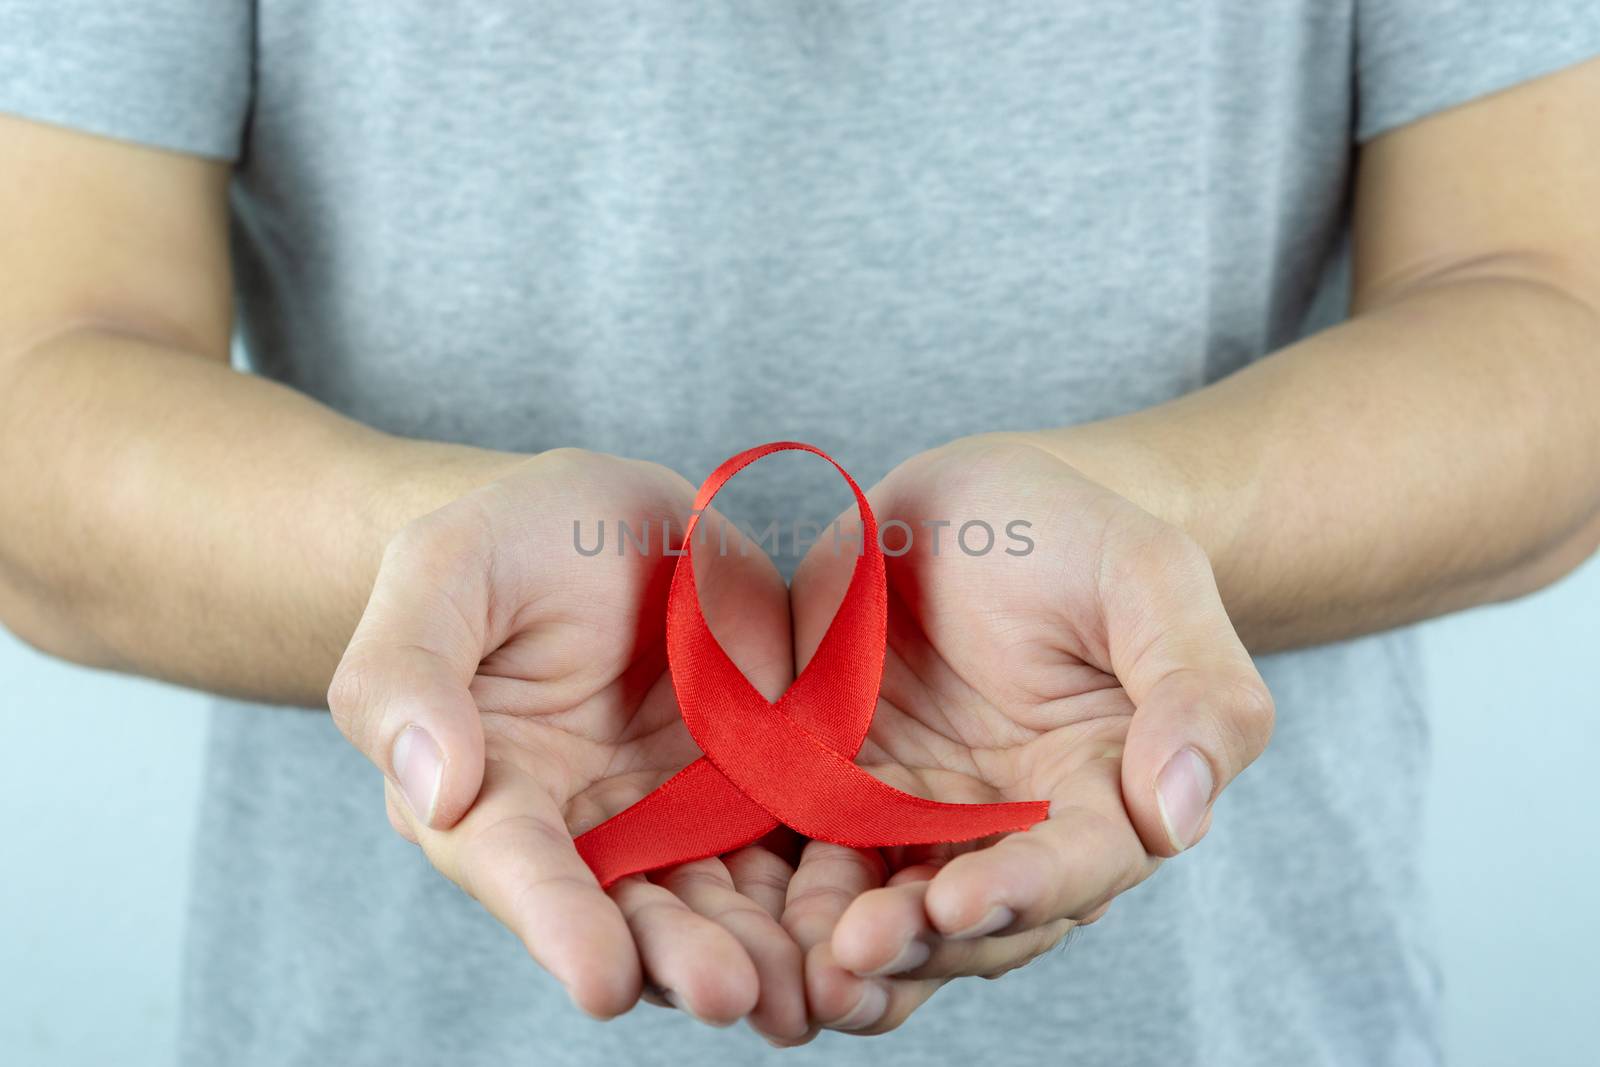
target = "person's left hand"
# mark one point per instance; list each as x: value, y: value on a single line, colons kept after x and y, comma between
x: 1097, y: 671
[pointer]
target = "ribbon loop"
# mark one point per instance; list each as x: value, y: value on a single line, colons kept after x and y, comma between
x: 790, y: 762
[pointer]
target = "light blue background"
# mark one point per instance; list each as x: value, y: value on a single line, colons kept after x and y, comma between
x: 98, y: 777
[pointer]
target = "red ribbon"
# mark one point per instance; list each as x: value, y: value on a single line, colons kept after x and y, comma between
x: 791, y: 762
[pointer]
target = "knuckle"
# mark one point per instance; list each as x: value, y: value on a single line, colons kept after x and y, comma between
x: 697, y: 877
x: 349, y: 692
x: 788, y: 955
x: 458, y: 532
x: 420, y: 539
x: 568, y: 455
x: 819, y: 897
x: 1174, y: 547
x: 648, y: 909
x: 1144, y: 553
x: 569, y: 464
x: 1161, y: 548
x: 759, y: 868
x: 408, y: 541
x: 1251, y: 714
x: 1258, y: 709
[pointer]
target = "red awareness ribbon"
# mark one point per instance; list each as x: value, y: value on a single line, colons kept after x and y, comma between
x: 792, y: 762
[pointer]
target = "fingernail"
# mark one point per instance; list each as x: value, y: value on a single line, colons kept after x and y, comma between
x: 672, y: 998
x: 786, y: 1042
x: 1183, y: 792
x: 998, y: 918
x: 914, y: 955
x: 868, y: 1010
x: 419, y: 767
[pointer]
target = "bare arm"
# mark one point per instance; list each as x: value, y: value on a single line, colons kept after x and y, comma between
x: 164, y: 514
x: 1442, y: 448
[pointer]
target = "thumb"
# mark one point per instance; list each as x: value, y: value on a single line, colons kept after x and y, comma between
x: 401, y: 692
x: 1201, y: 711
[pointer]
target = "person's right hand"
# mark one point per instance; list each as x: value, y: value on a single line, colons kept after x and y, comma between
x: 514, y: 692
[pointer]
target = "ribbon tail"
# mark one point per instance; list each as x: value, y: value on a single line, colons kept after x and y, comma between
x: 694, y: 814
x: 824, y: 795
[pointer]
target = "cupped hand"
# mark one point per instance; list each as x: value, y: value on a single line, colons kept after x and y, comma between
x: 514, y: 692
x: 1096, y: 670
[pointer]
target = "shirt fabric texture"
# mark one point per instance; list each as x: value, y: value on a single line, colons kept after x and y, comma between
x: 672, y: 231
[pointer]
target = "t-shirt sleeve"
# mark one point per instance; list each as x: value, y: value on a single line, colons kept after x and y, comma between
x: 1415, y: 57
x: 175, y: 74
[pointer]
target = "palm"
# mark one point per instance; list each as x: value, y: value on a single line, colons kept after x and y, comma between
x: 978, y: 737
x: 996, y: 683
x: 582, y: 706
x: 579, y: 720
x: 580, y: 703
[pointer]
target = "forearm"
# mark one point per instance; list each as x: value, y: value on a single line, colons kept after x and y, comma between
x: 1437, y: 452
x: 169, y: 516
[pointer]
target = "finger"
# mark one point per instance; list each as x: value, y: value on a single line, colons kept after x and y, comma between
x: 1065, y: 867
x: 991, y: 957
x: 886, y: 931
x: 846, y: 1002
x: 695, y: 963
x: 762, y: 875
x: 828, y: 878
x: 899, y: 905
x: 987, y: 957
x: 1201, y: 711
x: 709, y: 889
x: 515, y: 856
x: 400, y: 693
x: 1190, y: 736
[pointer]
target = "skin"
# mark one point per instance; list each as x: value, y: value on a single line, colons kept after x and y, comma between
x: 1338, y: 487
x: 1437, y: 451
x: 1067, y: 674
x: 540, y: 675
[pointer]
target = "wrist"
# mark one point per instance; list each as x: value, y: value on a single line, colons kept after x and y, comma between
x: 408, y: 479
x: 1187, y: 487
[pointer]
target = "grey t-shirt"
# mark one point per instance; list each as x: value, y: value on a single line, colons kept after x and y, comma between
x: 674, y: 230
